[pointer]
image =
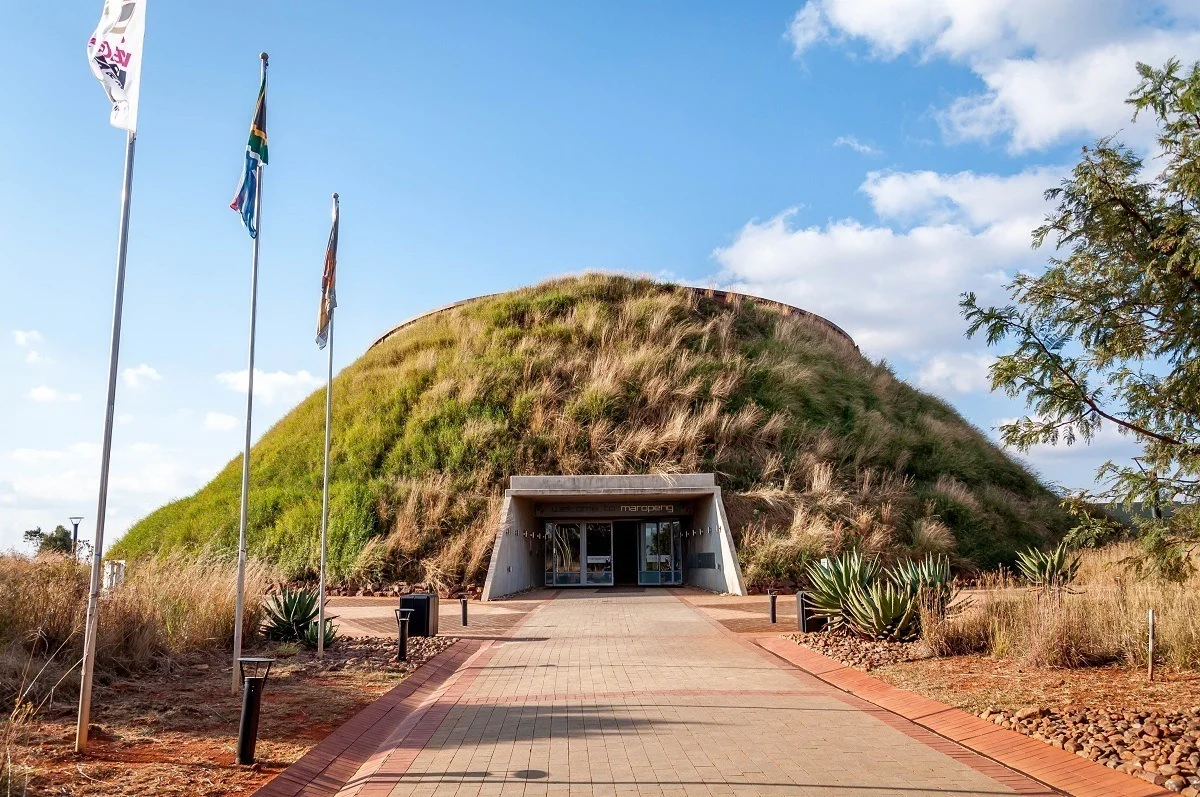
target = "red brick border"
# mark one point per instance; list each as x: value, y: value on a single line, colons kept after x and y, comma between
x: 391, y: 731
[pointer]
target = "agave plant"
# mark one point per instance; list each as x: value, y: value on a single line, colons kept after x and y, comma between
x: 1049, y: 571
x: 289, y: 614
x: 928, y: 580
x: 310, y: 634
x: 884, y: 610
x: 833, y: 580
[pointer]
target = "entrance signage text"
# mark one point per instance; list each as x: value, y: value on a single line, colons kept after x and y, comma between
x: 614, y: 509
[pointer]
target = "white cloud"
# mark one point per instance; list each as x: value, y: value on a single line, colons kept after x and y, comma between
x: 895, y: 286
x: 44, y: 486
x: 270, y: 387
x: 856, y: 145
x: 807, y: 28
x: 26, y: 337
x: 219, y: 422
x: 138, y: 376
x: 49, y: 395
x: 1051, y: 68
x: 949, y: 374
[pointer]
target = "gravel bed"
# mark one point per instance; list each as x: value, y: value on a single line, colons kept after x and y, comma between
x: 368, y: 654
x: 862, y: 654
x: 1160, y: 747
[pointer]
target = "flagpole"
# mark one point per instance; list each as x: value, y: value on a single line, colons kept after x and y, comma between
x: 325, y: 491
x: 89, y: 634
x: 239, y: 604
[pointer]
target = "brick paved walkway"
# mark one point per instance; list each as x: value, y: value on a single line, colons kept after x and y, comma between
x: 634, y: 694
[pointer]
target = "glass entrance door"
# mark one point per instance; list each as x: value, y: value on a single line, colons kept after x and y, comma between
x: 598, y: 552
x: 660, y: 555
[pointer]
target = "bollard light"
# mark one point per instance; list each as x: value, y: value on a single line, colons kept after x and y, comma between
x: 254, y: 672
x: 463, y: 601
x: 75, y: 521
x: 402, y: 616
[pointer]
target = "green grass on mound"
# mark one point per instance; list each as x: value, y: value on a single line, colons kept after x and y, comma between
x: 818, y: 449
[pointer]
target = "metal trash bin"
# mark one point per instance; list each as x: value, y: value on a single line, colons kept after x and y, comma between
x: 424, y: 619
x: 806, y: 622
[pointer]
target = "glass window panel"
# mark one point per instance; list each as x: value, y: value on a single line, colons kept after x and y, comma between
x: 650, y: 558
x: 567, y: 550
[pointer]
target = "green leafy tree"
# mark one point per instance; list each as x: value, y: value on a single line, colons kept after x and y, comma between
x: 1110, y: 332
x: 58, y: 540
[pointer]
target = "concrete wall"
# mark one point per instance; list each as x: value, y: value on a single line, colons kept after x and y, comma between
x: 517, y: 561
x: 717, y: 539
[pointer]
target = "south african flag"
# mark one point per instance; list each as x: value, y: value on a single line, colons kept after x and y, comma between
x: 244, y: 202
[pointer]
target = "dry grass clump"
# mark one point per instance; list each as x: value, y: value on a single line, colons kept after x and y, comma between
x: 167, y: 607
x: 1102, y: 620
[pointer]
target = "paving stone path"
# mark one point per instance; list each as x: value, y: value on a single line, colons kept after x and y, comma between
x: 604, y: 693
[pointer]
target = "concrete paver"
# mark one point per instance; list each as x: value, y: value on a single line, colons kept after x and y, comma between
x: 603, y: 693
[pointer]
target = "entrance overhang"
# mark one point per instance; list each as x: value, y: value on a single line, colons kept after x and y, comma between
x: 533, y: 504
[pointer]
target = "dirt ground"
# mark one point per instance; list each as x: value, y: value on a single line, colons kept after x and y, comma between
x: 978, y: 682
x: 175, y: 733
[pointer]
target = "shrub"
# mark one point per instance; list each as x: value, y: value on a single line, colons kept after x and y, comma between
x: 774, y: 557
x: 833, y: 580
x: 289, y: 613
x: 1049, y: 571
x: 927, y: 580
x: 883, y: 611
x: 309, y: 639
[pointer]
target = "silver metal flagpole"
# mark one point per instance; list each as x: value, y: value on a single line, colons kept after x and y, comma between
x: 239, y: 605
x: 325, y: 494
x: 325, y: 488
x: 89, y: 636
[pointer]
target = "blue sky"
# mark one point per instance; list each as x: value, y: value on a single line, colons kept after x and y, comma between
x: 866, y: 160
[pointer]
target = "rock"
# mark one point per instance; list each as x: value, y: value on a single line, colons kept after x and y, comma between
x: 1152, y: 777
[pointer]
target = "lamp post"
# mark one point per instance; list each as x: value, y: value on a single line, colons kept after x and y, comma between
x: 75, y: 536
x: 254, y: 673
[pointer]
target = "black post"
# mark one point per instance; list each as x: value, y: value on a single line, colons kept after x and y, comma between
x: 773, y: 597
x: 402, y: 616
x: 463, y: 600
x: 252, y: 690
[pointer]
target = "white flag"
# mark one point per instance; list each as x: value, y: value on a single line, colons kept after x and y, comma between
x: 115, y: 55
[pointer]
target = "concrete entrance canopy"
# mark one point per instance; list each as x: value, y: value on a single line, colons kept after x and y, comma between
x: 534, y: 503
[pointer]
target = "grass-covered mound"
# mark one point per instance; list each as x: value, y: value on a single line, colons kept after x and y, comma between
x: 818, y: 449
